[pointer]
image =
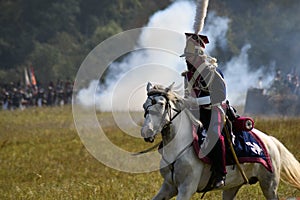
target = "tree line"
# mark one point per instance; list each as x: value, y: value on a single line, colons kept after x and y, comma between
x: 54, y: 36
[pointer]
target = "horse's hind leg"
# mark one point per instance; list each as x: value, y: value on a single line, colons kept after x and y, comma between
x: 230, y: 193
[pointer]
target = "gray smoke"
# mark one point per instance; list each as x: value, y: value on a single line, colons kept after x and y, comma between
x: 125, y: 83
x: 239, y: 77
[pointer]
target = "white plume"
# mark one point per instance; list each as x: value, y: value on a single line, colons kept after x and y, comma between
x: 201, y: 12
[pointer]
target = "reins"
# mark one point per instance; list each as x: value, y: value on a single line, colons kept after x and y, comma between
x: 147, y: 150
x: 168, y: 111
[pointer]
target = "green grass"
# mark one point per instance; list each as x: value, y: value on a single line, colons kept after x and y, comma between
x: 42, y: 157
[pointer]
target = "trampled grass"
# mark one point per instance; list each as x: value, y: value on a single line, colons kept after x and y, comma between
x: 42, y: 157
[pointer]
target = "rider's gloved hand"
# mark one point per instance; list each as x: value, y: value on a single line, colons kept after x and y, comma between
x: 190, y: 101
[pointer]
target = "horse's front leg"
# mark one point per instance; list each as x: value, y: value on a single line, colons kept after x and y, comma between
x: 186, y: 191
x: 167, y: 191
x: 188, y: 175
x: 189, y: 184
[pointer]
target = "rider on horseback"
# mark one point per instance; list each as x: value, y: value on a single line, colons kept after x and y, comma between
x: 205, y: 88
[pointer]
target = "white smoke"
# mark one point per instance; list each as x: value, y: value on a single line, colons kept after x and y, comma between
x: 126, y: 80
x: 239, y: 78
x: 125, y: 83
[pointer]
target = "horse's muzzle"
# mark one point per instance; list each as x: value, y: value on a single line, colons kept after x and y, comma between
x: 148, y: 134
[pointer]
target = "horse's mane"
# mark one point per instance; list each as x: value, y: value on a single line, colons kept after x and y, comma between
x: 169, y: 93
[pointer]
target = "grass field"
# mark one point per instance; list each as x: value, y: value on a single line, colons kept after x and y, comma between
x: 42, y: 157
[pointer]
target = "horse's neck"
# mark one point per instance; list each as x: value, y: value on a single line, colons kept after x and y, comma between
x: 178, y: 137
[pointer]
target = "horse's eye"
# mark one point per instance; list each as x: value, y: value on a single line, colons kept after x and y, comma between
x: 153, y: 101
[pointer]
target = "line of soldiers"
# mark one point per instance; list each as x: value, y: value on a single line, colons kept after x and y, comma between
x: 15, y: 95
x: 289, y: 84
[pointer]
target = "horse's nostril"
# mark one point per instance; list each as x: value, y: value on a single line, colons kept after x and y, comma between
x: 149, y: 139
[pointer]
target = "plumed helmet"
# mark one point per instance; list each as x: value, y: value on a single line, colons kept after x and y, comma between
x: 195, y: 44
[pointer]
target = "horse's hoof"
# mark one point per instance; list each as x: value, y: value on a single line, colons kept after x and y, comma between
x: 220, y: 183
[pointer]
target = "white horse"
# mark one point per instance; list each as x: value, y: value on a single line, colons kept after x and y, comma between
x: 183, y: 172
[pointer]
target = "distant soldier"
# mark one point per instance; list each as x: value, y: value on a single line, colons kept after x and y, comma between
x: 60, y: 93
x: 15, y: 99
x: 278, y: 85
x: 5, y: 99
x: 40, y: 97
x: 50, y: 96
x: 260, y: 83
x: 68, y: 92
x: 296, y: 84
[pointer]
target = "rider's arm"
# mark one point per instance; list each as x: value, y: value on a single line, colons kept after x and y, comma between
x: 217, y: 89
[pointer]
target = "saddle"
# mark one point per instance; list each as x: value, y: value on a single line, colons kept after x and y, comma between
x: 247, y: 145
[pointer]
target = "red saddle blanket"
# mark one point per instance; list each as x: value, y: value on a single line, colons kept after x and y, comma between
x: 247, y: 145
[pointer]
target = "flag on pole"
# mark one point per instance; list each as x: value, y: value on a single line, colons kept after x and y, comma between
x: 32, y: 76
x: 27, y: 81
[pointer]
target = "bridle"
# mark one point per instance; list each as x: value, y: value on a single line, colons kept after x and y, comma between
x: 168, y: 111
x: 165, y: 127
x: 168, y: 108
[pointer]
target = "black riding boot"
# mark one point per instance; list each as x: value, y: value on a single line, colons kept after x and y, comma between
x: 218, y: 163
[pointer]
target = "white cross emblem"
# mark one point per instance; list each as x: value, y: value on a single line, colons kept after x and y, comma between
x: 254, y: 147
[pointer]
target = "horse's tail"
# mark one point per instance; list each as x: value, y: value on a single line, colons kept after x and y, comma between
x: 290, y: 167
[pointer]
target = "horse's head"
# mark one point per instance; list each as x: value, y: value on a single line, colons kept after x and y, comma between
x: 157, y: 108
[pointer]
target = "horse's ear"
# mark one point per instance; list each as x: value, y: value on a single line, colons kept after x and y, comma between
x: 170, y: 87
x: 149, y: 86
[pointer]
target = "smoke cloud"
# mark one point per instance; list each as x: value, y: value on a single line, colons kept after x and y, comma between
x: 124, y: 86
